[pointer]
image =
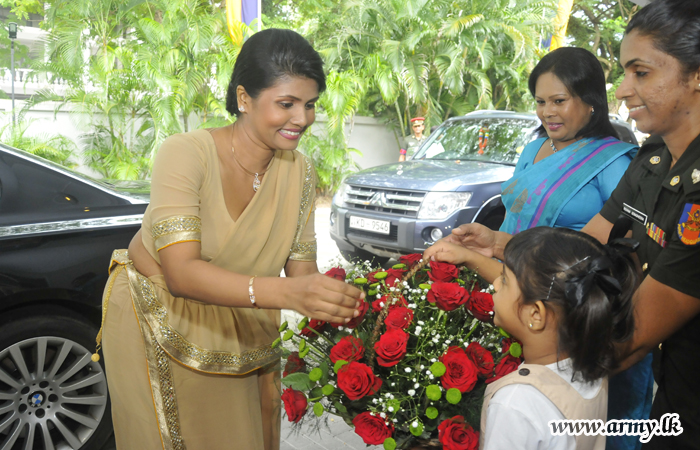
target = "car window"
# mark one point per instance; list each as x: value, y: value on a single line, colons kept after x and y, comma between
x: 32, y: 188
x: 499, y: 140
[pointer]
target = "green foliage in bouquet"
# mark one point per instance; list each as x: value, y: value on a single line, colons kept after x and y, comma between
x: 412, y: 367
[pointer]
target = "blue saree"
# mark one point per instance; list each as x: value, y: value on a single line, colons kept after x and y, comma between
x: 537, y: 194
x: 579, y: 179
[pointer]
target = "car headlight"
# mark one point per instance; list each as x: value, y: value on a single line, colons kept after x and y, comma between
x: 339, y: 197
x: 439, y: 205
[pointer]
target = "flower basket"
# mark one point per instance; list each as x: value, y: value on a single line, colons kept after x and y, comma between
x: 410, y: 371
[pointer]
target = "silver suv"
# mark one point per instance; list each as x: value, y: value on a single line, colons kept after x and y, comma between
x: 454, y: 178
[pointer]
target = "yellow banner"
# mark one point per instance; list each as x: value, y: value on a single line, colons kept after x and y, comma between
x: 560, y: 23
x: 233, y: 20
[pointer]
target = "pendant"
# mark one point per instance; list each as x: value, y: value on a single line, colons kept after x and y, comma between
x: 256, y: 183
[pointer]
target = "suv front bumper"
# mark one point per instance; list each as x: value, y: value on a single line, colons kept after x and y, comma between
x: 407, y: 234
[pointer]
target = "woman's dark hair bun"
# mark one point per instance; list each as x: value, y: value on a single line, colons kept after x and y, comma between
x: 589, y: 287
x: 269, y: 55
x: 674, y: 26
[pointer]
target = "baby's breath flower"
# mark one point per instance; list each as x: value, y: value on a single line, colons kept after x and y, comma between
x: 383, y: 415
x: 417, y: 385
x: 411, y: 392
x: 420, y: 322
x: 407, y: 370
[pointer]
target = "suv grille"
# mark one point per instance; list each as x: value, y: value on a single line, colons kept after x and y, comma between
x: 402, y: 203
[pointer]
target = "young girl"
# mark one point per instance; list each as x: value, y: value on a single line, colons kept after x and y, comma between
x: 567, y: 298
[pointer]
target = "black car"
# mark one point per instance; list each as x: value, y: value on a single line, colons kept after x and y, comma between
x: 57, y: 232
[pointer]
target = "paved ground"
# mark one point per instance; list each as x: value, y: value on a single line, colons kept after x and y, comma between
x: 335, y: 433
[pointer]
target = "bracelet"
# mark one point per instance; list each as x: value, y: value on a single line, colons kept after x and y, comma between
x: 251, y: 293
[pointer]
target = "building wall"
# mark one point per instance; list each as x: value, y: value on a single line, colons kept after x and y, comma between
x: 371, y: 137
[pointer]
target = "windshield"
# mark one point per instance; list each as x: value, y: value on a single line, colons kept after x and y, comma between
x: 498, y: 140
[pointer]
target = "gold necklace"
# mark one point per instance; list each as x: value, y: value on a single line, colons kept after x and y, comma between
x: 256, y: 180
x: 255, y: 175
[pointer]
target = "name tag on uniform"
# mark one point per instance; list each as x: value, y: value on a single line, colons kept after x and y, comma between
x: 634, y: 214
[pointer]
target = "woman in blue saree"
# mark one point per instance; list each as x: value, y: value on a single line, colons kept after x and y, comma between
x: 562, y: 179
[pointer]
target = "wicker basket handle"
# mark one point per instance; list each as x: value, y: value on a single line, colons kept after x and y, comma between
x: 385, y: 310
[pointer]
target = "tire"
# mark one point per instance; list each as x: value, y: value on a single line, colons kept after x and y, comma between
x: 363, y: 255
x: 52, y: 395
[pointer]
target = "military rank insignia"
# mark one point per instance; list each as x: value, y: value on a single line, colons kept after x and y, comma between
x: 689, y: 224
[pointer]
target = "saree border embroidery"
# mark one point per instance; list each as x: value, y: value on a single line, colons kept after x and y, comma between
x: 160, y: 374
x: 176, y: 229
x: 304, y: 251
x: 185, y: 352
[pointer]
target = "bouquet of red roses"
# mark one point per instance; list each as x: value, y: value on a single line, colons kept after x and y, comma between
x: 412, y: 367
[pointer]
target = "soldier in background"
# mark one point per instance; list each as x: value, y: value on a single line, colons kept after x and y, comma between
x: 415, y: 140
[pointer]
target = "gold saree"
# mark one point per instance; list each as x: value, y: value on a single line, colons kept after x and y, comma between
x: 183, y: 373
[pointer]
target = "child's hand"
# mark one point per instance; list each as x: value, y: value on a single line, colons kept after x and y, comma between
x: 444, y: 251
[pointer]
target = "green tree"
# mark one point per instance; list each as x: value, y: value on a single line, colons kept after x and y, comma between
x: 138, y: 71
x: 435, y: 58
x: 598, y: 26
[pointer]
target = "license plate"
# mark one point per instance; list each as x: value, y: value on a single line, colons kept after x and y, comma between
x: 375, y: 226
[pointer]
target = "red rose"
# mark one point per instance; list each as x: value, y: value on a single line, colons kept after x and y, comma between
x: 481, y: 305
x: 441, y: 271
x: 398, y: 301
x: 357, y: 380
x: 364, y: 306
x: 313, y: 325
x: 294, y: 364
x: 461, y: 372
x: 410, y: 260
x: 447, y: 296
x: 294, y: 404
x: 348, y: 349
x: 391, y: 277
x: 482, y: 359
x: 457, y: 434
x: 337, y: 273
x: 391, y: 347
x: 505, y: 366
x: 505, y: 344
x: 399, y: 317
x: 372, y: 429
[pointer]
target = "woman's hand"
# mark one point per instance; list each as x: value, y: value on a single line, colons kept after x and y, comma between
x: 323, y: 298
x: 477, y: 237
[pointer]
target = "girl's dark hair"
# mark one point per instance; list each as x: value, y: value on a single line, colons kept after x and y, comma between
x: 674, y: 26
x: 580, y: 71
x: 269, y: 55
x: 548, y: 261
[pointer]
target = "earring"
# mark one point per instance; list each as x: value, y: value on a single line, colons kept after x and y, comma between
x: 530, y: 325
x: 241, y: 109
x: 592, y: 110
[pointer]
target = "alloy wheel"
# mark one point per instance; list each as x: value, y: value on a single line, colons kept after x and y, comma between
x: 52, y: 395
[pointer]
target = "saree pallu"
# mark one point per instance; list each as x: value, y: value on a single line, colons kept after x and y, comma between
x: 536, y: 194
x: 187, y: 374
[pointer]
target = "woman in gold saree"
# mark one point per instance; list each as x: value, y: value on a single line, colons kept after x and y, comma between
x: 192, y: 307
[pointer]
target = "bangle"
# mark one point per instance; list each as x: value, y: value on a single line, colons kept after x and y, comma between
x: 251, y: 293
